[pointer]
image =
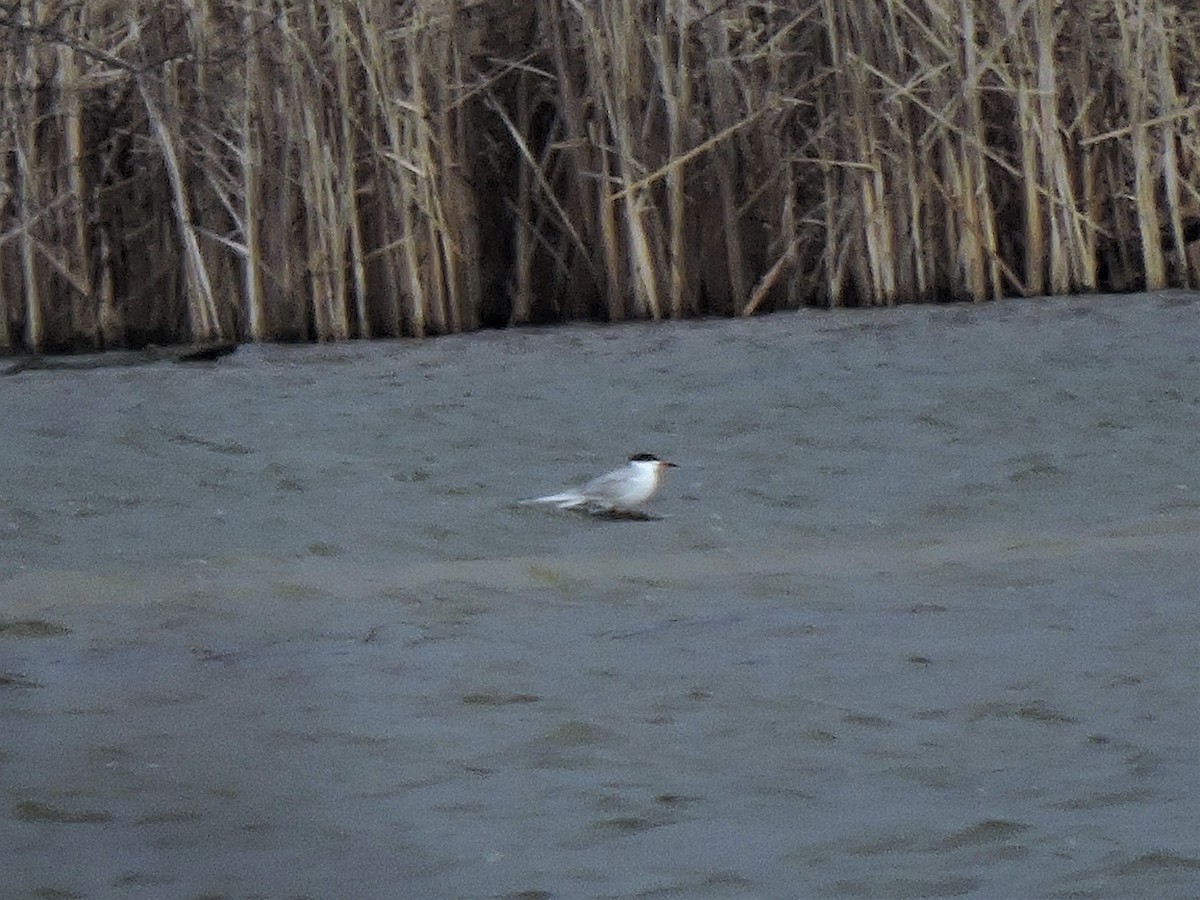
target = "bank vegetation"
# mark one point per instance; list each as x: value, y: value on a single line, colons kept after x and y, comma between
x: 293, y: 169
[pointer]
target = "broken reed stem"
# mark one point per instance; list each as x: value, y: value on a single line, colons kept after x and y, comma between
x: 370, y: 168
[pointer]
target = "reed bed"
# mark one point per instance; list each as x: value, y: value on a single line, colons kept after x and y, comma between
x: 292, y: 170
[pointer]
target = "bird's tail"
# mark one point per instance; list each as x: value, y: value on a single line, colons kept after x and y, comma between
x: 565, y: 500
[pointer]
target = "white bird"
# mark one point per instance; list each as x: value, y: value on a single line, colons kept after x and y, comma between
x: 619, y: 491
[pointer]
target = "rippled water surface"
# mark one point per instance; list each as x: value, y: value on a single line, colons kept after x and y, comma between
x: 920, y: 617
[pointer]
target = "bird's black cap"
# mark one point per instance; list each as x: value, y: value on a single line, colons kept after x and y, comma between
x: 650, y: 457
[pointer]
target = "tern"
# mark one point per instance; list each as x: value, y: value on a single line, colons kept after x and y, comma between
x: 619, y: 491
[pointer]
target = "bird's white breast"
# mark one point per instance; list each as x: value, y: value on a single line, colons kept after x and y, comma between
x: 643, y: 480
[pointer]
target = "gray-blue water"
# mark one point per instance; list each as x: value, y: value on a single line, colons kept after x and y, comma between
x: 921, y: 617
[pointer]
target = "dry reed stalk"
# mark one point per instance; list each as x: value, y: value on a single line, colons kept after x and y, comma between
x: 574, y: 248
x: 614, y: 251
x: 870, y: 121
x: 775, y: 274
x: 425, y: 264
x: 601, y: 136
x: 253, y: 177
x: 103, y: 75
x: 1086, y: 213
x: 385, y: 111
x: 1021, y: 64
x: 199, y: 83
x: 903, y: 219
x: 1054, y: 161
x: 621, y: 85
x: 291, y: 315
x: 534, y: 185
x: 671, y: 57
x: 443, y: 225
x: 985, y: 277
x: 1138, y: 35
x: 439, y: 222
x: 438, y: 68
x: 201, y: 303
x: 349, y: 214
x: 69, y: 88
x: 525, y: 241
x: 23, y: 79
x: 587, y: 188
x: 1066, y: 207
x: 461, y: 239
x: 320, y: 168
x: 831, y: 106
x: 725, y: 161
x: 1166, y: 22
x: 9, y: 285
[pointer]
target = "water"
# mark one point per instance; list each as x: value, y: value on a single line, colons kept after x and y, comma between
x: 919, y: 619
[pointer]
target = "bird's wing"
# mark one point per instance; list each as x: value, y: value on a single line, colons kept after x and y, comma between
x: 607, y: 487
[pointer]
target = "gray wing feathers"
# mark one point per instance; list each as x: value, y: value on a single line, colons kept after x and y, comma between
x: 605, y: 488
x: 600, y: 491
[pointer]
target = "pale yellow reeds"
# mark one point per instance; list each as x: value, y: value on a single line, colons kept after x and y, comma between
x: 293, y: 170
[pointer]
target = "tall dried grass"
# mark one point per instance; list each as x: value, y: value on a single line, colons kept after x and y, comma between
x: 329, y: 170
